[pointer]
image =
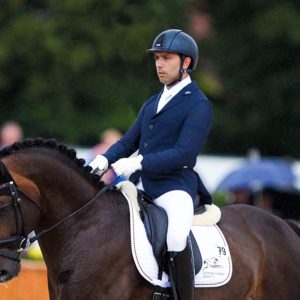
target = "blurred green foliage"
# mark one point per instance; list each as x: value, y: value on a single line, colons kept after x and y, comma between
x: 255, y: 50
x: 221, y: 199
x: 69, y: 69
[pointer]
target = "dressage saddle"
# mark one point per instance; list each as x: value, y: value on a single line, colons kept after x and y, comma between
x: 155, y: 221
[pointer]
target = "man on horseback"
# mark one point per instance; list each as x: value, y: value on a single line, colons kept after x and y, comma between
x: 169, y: 133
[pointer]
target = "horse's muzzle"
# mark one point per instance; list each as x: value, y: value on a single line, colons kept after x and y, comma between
x: 9, y: 266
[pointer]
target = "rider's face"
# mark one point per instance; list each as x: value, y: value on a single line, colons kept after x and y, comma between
x: 167, y: 66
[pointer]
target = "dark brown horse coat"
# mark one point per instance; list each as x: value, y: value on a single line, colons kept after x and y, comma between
x: 88, y: 257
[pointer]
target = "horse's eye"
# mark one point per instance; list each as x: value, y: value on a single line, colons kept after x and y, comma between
x: 4, y: 206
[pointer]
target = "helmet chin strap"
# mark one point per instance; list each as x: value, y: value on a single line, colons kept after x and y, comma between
x: 181, y: 71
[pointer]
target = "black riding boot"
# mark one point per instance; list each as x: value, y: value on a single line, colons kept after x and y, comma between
x: 181, y: 270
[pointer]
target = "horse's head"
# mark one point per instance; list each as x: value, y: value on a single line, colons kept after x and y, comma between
x: 17, y: 196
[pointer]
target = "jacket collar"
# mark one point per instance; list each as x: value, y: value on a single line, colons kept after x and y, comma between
x: 186, y: 91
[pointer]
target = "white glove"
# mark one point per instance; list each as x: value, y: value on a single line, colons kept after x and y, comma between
x: 127, y: 166
x: 99, y: 164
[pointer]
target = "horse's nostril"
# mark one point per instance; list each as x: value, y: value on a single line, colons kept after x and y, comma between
x: 4, y: 276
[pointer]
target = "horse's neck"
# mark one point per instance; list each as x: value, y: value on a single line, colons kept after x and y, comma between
x: 98, y: 236
x: 62, y: 187
x: 92, y: 241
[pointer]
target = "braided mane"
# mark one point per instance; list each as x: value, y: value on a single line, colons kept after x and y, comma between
x: 55, y: 145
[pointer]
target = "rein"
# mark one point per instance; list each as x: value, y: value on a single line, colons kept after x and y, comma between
x: 21, y: 241
x: 101, y: 192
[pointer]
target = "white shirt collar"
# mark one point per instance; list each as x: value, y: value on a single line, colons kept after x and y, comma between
x: 168, y: 94
x: 174, y: 90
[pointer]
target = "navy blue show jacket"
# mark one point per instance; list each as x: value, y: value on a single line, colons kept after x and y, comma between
x: 169, y: 142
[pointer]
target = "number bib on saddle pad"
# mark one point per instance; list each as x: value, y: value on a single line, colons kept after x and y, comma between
x: 217, y: 265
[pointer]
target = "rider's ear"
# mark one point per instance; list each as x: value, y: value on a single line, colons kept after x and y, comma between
x: 186, y: 63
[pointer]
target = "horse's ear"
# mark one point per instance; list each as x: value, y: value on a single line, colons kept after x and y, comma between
x: 4, y: 174
x: 28, y: 187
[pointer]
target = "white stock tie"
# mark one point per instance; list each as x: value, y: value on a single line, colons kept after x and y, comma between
x: 163, y: 101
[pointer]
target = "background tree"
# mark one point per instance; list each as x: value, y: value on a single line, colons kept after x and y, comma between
x: 255, y: 50
x: 69, y: 69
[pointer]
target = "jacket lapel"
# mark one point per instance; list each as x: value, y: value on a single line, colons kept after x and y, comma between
x: 155, y: 104
x: 186, y: 91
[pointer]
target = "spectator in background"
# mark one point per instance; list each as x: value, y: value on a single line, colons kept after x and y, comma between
x: 107, y: 138
x: 10, y: 133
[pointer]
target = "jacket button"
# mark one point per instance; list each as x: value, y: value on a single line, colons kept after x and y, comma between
x: 145, y: 145
x: 151, y: 126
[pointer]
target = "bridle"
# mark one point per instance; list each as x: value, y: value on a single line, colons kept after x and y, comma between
x: 20, y: 241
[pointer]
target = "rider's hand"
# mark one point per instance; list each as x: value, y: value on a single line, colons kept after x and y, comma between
x: 127, y: 166
x: 99, y: 164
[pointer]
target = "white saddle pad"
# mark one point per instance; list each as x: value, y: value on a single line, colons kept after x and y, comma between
x: 217, y: 265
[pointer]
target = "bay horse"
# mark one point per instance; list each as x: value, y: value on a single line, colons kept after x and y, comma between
x: 88, y: 256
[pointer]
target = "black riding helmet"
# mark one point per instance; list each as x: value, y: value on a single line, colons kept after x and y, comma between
x: 177, y: 41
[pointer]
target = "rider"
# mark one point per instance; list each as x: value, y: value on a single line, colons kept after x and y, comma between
x: 169, y: 133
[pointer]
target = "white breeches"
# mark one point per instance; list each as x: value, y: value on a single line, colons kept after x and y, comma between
x: 180, y: 210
